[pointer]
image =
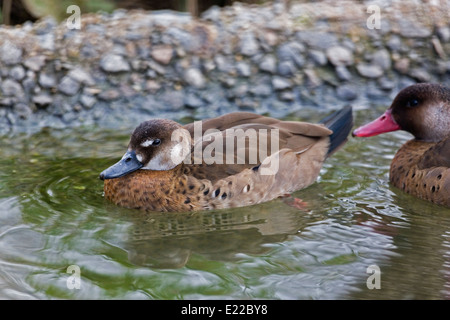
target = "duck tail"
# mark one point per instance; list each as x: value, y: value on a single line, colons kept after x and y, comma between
x: 341, y: 123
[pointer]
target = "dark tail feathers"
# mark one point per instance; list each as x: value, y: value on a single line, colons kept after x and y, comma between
x: 341, y: 123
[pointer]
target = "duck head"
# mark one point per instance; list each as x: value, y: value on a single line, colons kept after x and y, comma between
x: 421, y: 109
x: 157, y: 144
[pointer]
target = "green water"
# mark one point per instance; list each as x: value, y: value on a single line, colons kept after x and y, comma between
x: 53, y: 215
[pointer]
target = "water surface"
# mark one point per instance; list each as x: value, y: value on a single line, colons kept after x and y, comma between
x: 53, y: 215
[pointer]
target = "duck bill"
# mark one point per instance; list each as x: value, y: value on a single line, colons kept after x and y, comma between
x: 385, y: 123
x: 127, y: 164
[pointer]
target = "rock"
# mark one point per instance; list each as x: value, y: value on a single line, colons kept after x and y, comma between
x: 291, y: 51
x: 42, y: 100
x: 162, y: 53
x: 402, y: 65
x: 339, y: 56
x: 317, y: 39
x: 114, y: 63
x: 382, y: 58
x: 413, y: 29
x: 46, y: 80
x: 155, y: 67
x: 386, y: 83
x: 369, y: 70
x: 69, y: 86
x: 443, y: 33
x: 47, y: 41
x: 394, y: 43
x: 420, y: 75
x: 343, y: 73
x: 35, y: 63
x: 287, y: 95
x: 262, y: 90
x: 318, y: 57
x: 212, y: 14
x: 17, y: 73
x: 87, y: 101
x: 194, y: 77
x: 22, y: 110
x: 286, y: 68
x: 191, y: 100
x: 152, y: 86
x: 268, y: 64
x: 313, y: 79
x: 10, y: 54
x: 82, y: 76
x: 248, y: 45
x: 29, y: 83
x: 347, y: 92
x: 12, y: 88
x: 109, y: 95
x: 280, y: 83
x: 172, y: 100
x: 243, y: 69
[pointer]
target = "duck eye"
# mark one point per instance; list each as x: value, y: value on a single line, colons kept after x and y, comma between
x: 156, y: 142
x: 412, y: 103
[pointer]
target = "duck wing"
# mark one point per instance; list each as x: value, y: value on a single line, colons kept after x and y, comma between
x: 241, y: 140
x: 436, y: 156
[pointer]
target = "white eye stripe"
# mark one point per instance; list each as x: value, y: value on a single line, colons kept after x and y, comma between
x: 147, y: 143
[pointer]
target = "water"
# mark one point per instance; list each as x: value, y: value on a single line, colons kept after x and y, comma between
x: 53, y: 215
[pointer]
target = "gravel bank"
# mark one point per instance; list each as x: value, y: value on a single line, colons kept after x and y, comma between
x: 129, y: 65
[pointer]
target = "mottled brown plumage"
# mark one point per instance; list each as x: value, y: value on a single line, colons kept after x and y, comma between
x: 167, y: 185
x: 421, y: 167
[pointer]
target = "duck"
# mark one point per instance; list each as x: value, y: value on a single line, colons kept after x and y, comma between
x: 234, y: 160
x: 421, y: 166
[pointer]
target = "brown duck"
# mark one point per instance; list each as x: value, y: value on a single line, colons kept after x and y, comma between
x: 234, y: 160
x: 421, y: 166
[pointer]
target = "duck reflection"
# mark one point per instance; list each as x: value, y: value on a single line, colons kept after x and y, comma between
x: 164, y: 240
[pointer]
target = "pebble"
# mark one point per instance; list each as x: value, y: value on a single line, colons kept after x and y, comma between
x: 291, y: 51
x: 382, y: 58
x: 10, y: 54
x: 22, y: 110
x: 87, y: 101
x: 268, y: 64
x: 413, y: 29
x: 420, y: 74
x: 69, y: 86
x: 42, y: 100
x: 339, y: 56
x: 12, y: 88
x: 162, y: 54
x: 46, y: 80
x: 17, y: 72
x: 248, y: 45
x: 191, y: 100
x: 402, y: 65
x: 343, y: 73
x: 82, y: 76
x: 109, y: 95
x: 286, y: 68
x: 443, y: 32
x: 317, y: 39
x: 280, y: 83
x: 347, y: 92
x: 369, y: 70
x: 194, y: 77
x: 243, y: 69
x: 318, y: 57
x: 35, y: 63
x: 114, y: 63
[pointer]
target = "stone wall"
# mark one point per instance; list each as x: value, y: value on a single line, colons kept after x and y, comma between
x: 129, y: 65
